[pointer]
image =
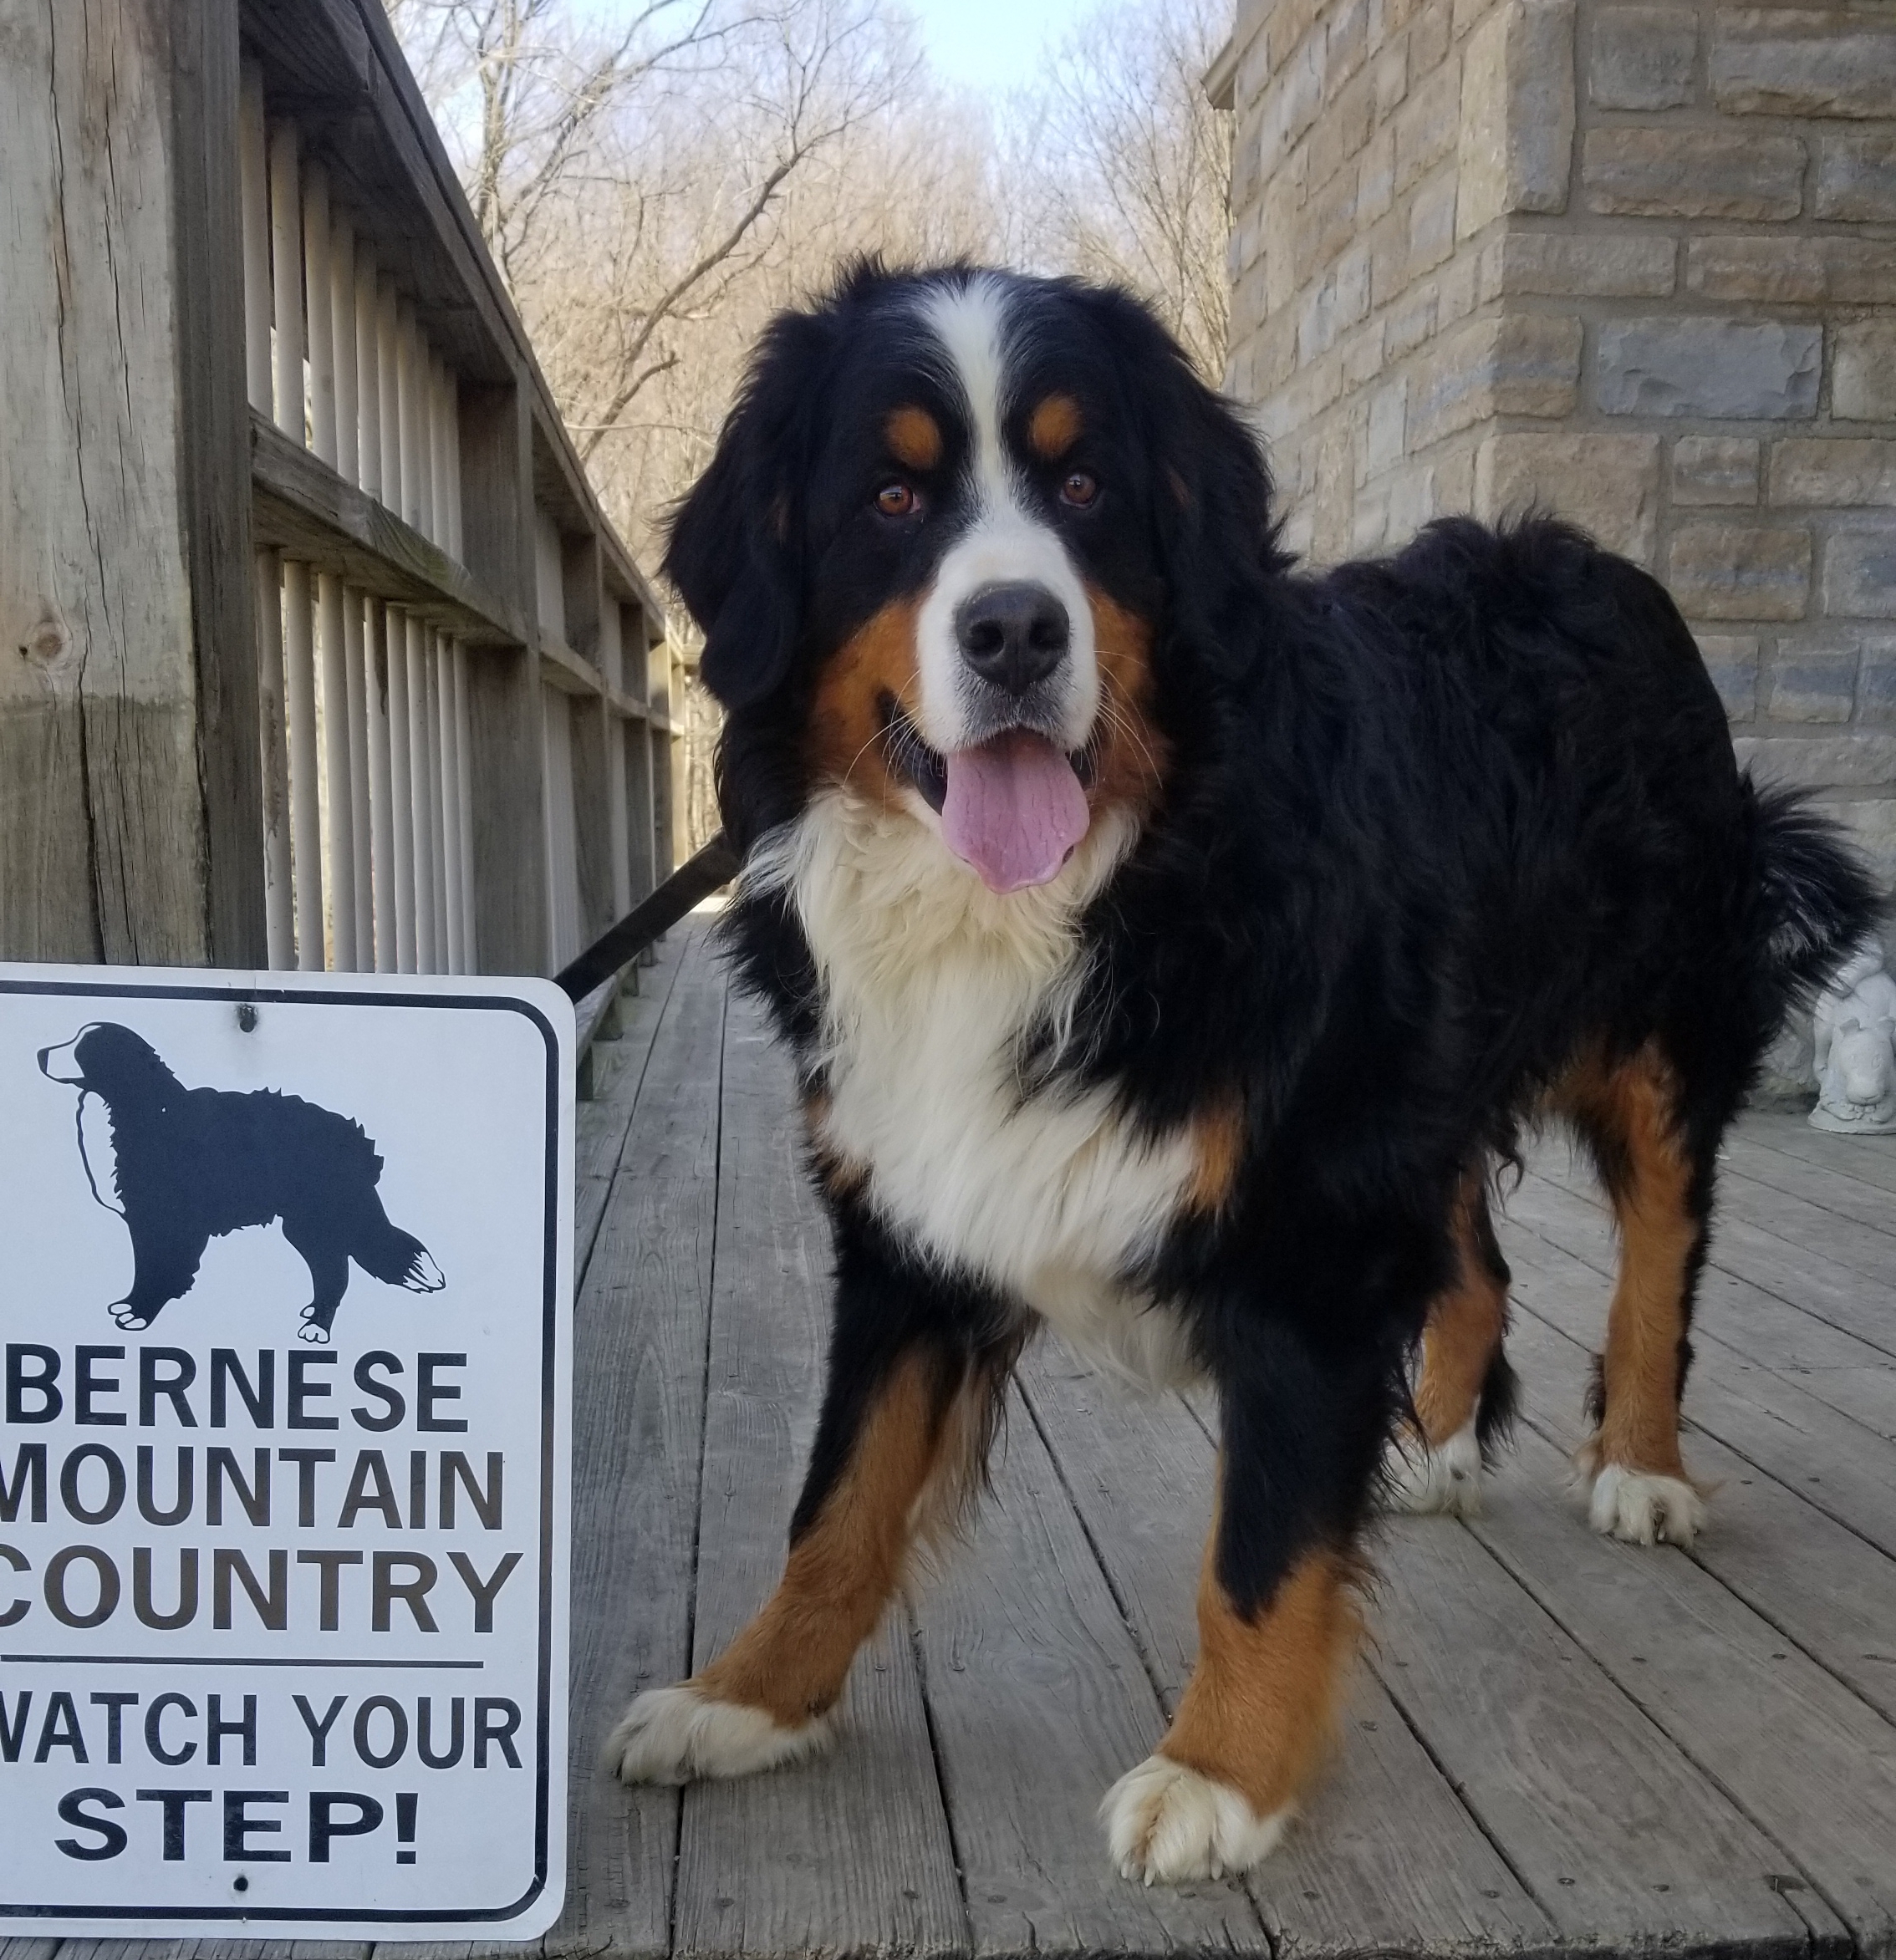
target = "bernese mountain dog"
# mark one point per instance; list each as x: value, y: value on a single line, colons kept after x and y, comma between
x: 1172, y: 946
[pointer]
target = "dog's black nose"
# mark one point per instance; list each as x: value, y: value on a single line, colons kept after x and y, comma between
x: 1012, y: 635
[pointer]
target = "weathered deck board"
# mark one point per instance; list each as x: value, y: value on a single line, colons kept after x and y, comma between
x: 1826, y: 1588
x: 638, y: 1357
x: 1853, y: 1377
x: 1840, y: 1466
x: 1625, y: 1843
x: 1039, y: 1703
x: 1864, y: 1160
x: 802, y: 1859
x: 1816, y: 1769
x: 1388, y: 1857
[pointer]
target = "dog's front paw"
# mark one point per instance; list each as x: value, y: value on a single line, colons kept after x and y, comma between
x: 1166, y: 1824
x: 1643, y: 1508
x: 679, y: 1734
x: 1425, y: 1482
x: 129, y: 1318
x: 313, y: 1331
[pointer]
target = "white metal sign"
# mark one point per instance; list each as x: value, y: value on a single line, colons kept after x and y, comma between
x: 285, y: 1296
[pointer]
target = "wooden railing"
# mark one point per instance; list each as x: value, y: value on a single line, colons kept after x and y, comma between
x: 436, y: 736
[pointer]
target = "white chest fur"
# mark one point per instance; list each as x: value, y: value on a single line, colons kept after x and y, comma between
x: 929, y: 982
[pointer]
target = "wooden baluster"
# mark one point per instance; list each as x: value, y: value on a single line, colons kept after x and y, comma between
x: 464, y: 801
x: 401, y: 791
x: 454, y: 897
x: 356, y: 696
x: 286, y: 243
x: 279, y: 902
x: 377, y: 673
x: 253, y: 177
x: 419, y: 778
x: 306, y: 824
x: 368, y: 376
x: 388, y: 365
x: 336, y: 796
x: 319, y: 321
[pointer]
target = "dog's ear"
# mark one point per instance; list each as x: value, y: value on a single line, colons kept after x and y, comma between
x: 1211, y: 493
x: 734, y: 551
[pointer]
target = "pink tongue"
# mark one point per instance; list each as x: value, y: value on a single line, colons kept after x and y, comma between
x: 1014, y: 810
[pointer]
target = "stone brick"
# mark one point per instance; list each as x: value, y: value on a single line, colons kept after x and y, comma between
x: 1862, y: 372
x: 1391, y: 79
x: 1565, y: 265
x: 1642, y: 56
x: 1457, y: 289
x: 1375, y: 177
x: 1341, y: 132
x: 1363, y: 359
x: 1860, y: 573
x: 1715, y: 470
x: 1835, y: 469
x: 1428, y: 39
x: 1802, y: 61
x: 1426, y: 125
x: 1327, y: 224
x: 1384, y: 441
x: 1813, y: 683
x: 1412, y: 501
x: 1659, y: 173
x: 1431, y: 224
x: 1854, y: 271
x: 1454, y: 481
x: 1857, y: 178
x: 1347, y: 41
x: 1410, y: 323
x: 1819, y: 762
x: 1739, y: 570
x: 1517, y: 132
x: 1607, y: 483
x: 1525, y: 365
x: 1731, y: 659
x: 1876, y: 678
x: 1706, y: 365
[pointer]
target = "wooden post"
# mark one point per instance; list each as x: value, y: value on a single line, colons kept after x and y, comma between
x: 378, y: 674
x: 124, y: 551
x: 503, y: 692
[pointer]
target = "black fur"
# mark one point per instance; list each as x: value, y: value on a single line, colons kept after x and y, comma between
x: 1431, y: 827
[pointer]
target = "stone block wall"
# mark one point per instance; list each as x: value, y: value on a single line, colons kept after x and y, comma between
x: 1631, y: 260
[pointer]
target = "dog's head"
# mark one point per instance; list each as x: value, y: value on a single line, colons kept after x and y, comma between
x: 110, y: 1062
x: 964, y: 531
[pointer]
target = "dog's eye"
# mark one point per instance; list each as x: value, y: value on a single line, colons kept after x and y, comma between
x: 1079, y: 489
x: 897, y: 500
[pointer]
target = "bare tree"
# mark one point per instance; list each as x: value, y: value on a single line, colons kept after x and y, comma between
x: 1130, y: 165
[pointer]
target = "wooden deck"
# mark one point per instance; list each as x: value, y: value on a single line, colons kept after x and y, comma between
x: 1559, y: 1743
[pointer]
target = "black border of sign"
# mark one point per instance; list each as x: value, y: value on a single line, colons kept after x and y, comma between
x: 549, y: 1333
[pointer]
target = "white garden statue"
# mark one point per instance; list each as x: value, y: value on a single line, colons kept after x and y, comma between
x: 1854, y: 1027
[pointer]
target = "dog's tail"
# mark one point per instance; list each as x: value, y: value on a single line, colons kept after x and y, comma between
x: 1811, y: 900
x: 386, y: 1252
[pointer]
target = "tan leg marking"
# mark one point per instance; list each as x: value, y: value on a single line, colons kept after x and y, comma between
x: 792, y: 1659
x: 1465, y: 1326
x: 1218, y: 1145
x: 1259, y: 1709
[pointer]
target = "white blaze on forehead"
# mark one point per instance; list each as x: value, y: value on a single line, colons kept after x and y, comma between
x: 1007, y: 541
x: 970, y: 323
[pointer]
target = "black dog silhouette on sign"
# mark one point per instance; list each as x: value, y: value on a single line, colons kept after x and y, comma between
x: 183, y: 1167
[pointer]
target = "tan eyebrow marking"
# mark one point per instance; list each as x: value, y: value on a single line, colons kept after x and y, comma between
x: 915, y: 437
x: 1055, y: 427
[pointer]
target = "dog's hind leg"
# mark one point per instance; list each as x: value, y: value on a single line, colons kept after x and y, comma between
x: 164, y: 1261
x: 1464, y: 1395
x: 907, y: 1415
x: 1661, y: 1189
x: 328, y: 1261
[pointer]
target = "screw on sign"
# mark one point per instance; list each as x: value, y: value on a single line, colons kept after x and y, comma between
x: 285, y: 1307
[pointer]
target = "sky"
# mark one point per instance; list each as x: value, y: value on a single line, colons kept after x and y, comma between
x: 991, y: 44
